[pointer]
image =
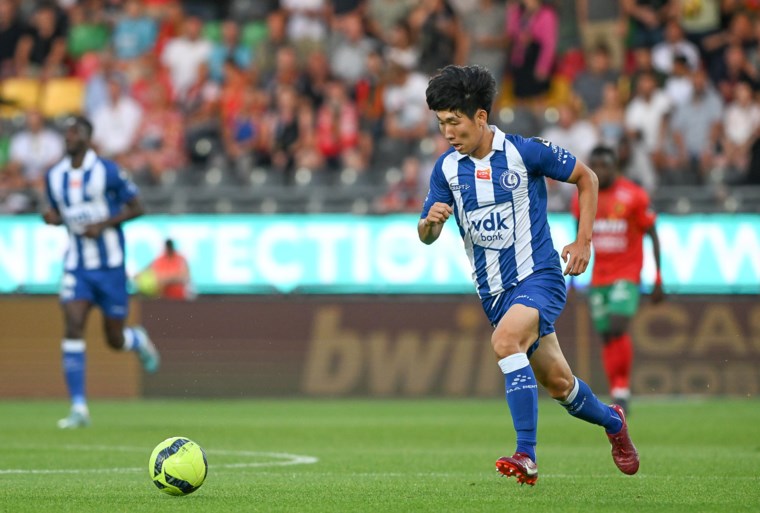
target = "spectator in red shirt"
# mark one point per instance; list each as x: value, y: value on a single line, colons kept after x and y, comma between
x: 167, y: 277
x: 337, y: 125
x: 159, y: 143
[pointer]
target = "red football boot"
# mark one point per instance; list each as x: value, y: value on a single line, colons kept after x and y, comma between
x: 623, y: 451
x: 519, y: 465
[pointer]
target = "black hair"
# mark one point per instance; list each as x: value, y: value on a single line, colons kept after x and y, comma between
x: 602, y: 48
x: 463, y: 89
x: 404, y: 26
x: 81, y: 122
x: 680, y: 59
x: 603, y: 152
x: 45, y: 6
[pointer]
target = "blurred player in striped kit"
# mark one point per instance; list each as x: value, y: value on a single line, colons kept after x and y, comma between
x: 623, y: 217
x: 91, y: 197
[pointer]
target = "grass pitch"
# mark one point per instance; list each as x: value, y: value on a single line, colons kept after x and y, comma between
x: 378, y: 456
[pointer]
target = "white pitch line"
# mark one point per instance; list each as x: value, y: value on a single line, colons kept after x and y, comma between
x: 288, y: 459
x: 282, y: 459
x: 68, y: 470
x: 368, y: 474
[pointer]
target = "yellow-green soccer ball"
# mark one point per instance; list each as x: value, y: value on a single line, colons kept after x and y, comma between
x: 146, y: 283
x: 178, y: 466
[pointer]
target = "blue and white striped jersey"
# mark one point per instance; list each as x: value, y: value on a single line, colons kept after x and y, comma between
x: 86, y: 195
x: 500, y: 206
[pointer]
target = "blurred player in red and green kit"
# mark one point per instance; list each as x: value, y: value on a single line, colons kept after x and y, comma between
x: 623, y: 217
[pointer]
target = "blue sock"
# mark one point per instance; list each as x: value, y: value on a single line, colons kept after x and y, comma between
x: 522, y: 398
x: 582, y: 403
x: 74, y: 361
x: 132, y: 339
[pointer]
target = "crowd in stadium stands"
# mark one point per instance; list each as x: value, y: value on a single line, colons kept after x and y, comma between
x: 299, y: 91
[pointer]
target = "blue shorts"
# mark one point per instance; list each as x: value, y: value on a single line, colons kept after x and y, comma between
x: 106, y: 288
x: 544, y: 290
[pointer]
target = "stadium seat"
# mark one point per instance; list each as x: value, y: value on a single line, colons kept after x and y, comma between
x: 62, y: 96
x: 245, y: 10
x: 217, y: 177
x: 560, y: 90
x: 253, y: 33
x: 5, y: 149
x: 87, y: 38
x: 21, y: 94
x: 212, y: 31
x: 269, y: 206
x: 506, y: 95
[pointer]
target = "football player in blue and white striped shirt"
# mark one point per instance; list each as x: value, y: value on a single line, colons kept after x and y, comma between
x: 91, y: 197
x: 493, y: 184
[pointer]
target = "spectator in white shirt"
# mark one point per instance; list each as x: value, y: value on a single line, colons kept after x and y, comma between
x: 645, y: 118
x: 405, y: 106
x: 35, y: 149
x: 349, y: 48
x: 307, y: 20
x: 741, y: 127
x: 579, y: 137
x: 115, y: 123
x: 184, y: 55
x: 664, y: 53
x: 645, y: 112
x: 678, y: 85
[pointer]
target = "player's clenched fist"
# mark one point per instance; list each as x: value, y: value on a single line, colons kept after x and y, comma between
x: 52, y: 217
x: 430, y: 227
x: 439, y: 213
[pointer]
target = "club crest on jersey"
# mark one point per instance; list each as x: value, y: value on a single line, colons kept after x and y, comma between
x: 483, y: 174
x: 509, y: 180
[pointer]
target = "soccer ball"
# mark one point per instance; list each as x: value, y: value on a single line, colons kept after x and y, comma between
x: 146, y: 283
x: 178, y: 466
